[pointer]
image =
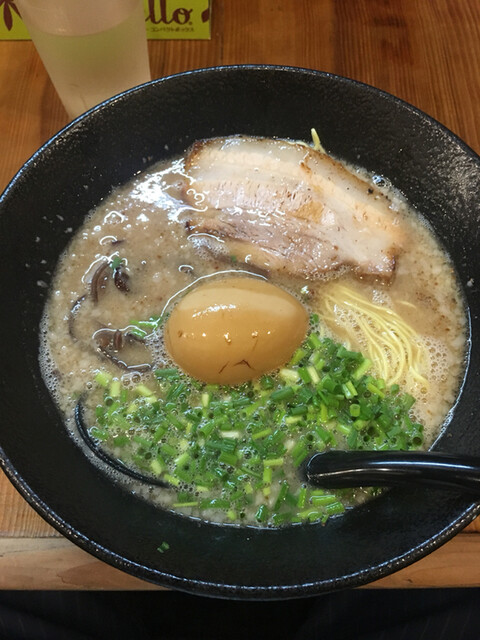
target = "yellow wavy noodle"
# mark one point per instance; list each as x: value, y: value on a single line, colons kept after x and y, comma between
x: 397, y: 352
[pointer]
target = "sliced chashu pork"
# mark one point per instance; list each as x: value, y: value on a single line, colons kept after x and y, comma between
x: 285, y: 207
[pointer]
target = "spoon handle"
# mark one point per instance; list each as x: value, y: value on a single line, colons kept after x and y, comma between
x: 336, y: 469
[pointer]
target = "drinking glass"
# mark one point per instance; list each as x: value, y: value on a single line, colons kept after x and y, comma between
x: 91, y: 49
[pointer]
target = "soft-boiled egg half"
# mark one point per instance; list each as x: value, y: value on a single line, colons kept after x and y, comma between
x: 234, y: 329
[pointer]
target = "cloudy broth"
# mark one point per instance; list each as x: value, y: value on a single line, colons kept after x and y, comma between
x: 141, y: 226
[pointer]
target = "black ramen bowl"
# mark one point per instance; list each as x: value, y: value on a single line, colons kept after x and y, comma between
x: 48, y: 200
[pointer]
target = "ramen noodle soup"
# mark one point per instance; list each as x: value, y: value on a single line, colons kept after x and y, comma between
x: 228, y: 313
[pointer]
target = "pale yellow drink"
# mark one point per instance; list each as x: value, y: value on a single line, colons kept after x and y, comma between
x: 94, y: 54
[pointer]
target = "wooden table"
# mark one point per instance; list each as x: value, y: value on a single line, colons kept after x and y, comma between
x: 424, y: 52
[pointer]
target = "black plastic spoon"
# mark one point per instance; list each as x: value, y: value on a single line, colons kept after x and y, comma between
x: 337, y: 469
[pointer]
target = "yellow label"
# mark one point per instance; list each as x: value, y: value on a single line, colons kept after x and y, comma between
x: 178, y: 19
x: 11, y: 25
x: 164, y: 19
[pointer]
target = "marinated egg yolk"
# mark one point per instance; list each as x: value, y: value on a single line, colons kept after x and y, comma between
x: 236, y: 329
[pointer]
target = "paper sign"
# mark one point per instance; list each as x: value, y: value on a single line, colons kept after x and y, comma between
x: 164, y: 19
x: 11, y: 25
x: 178, y: 19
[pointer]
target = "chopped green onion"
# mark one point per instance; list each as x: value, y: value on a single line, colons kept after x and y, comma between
x: 262, y: 514
x: 375, y: 390
x: 273, y: 462
x: 236, y: 446
x: 362, y: 369
x: 297, y: 357
x: 103, y: 378
x: 282, y: 394
x: 355, y: 410
x: 289, y: 375
x: 144, y: 391
x: 170, y: 374
x: 314, y: 341
x: 315, y: 378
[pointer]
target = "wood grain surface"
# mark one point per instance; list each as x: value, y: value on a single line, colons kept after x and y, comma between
x: 426, y: 53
